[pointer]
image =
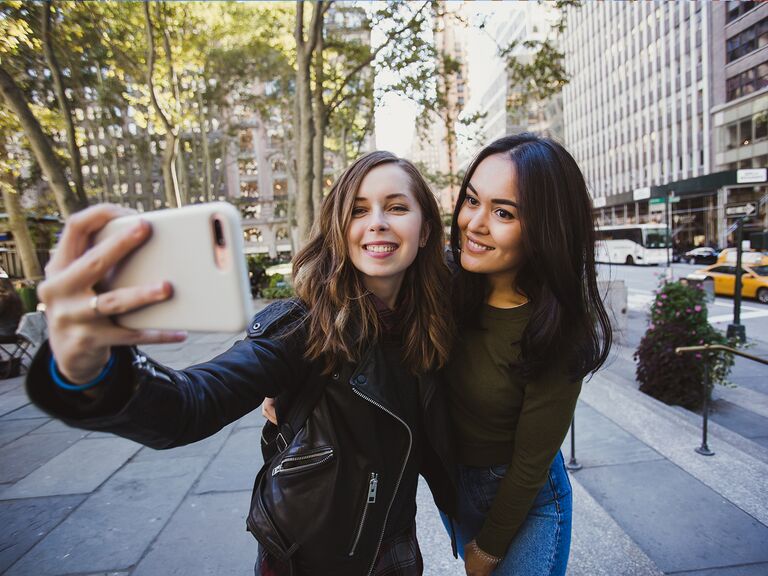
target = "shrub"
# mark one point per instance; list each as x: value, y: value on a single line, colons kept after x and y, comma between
x: 679, y: 318
x: 278, y: 287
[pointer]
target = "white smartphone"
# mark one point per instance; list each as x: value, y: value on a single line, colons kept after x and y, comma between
x: 199, y: 250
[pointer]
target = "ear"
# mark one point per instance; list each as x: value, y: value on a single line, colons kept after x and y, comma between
x: 425, y: 229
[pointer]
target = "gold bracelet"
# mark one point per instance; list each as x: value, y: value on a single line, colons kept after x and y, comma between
x: 484, y: 555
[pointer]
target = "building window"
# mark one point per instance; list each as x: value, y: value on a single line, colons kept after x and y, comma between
x: 737, y: 9
x: 249, y: 189
x: 253, y: 235
x: 747, y: 82
x: 761, y: 125
x: 747, y: 41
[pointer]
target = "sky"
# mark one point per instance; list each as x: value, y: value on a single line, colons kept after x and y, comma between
x: 395, y: 116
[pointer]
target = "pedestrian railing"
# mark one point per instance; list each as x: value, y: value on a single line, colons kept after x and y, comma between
x: 706, y: 348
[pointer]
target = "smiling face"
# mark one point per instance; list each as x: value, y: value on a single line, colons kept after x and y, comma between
x: 490, y: 232
x: 385, y: 230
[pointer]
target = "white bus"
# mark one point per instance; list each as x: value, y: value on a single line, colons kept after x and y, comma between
x: 632, y: 244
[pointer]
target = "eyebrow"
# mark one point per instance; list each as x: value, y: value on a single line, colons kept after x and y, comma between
x: 388, y: 197
x: 503, y: 201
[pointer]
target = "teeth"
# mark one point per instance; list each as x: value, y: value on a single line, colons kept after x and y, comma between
x: 477, y: 246
x: 381, y: 248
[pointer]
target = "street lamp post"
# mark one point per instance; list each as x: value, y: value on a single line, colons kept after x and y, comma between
x: 737, y: 330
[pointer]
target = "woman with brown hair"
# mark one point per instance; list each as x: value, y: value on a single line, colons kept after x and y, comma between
x: 370, y: 324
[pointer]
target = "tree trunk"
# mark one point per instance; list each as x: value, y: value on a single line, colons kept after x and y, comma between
x: 75, y: 162
x: 304, y: 121
x: 66, y: 200
x: 203, y: 121
x: 170, y: 183
x: 17, y: 223
x: 318, y: 152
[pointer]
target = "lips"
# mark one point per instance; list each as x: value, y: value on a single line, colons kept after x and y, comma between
x: 380, y: 247
x: 476, y: 247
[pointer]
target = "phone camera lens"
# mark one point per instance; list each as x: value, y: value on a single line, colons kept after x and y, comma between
x: 218, y: 232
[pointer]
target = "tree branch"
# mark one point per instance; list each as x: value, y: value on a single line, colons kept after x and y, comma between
x: 332, y: 103
x: 150, y: 70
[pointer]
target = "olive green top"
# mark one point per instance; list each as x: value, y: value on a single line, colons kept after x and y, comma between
x: 501, y: 418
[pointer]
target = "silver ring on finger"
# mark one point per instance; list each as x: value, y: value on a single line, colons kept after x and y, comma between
x: 95, y: 305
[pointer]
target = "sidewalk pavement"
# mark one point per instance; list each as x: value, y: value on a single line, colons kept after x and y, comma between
x: 74, y: 502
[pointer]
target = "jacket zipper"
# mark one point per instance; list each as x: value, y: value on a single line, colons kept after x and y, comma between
x: 399, y: 478
x: 323, y: 455
x: 373, y: 484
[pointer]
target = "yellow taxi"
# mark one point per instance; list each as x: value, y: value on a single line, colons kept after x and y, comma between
x: 754, y: 276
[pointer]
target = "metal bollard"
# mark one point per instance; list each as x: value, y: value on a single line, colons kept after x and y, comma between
x: 704, y: 449
x: 573, y: 463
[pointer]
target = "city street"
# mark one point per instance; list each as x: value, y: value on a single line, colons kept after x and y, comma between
x: 642, y: 281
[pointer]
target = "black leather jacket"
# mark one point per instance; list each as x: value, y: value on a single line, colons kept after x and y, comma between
x: 164, y: 408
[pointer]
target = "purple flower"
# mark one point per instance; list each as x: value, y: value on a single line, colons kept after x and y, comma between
x: 664, y: 296
x: 697, y: 308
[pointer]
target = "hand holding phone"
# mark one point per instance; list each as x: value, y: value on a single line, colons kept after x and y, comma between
x: 80, y: 319
x: 199, y: 249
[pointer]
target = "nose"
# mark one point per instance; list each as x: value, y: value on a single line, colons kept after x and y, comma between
x: 378, y: 221
x: 477, y: 223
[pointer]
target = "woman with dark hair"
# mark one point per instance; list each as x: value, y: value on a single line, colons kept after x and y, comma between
x: 371, y: 323
x: 531, y: 326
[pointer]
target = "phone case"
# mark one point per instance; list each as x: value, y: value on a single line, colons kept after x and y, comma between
x: 182, y: 250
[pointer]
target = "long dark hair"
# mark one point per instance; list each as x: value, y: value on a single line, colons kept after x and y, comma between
x: 342, y: 322
x: 568, y: 321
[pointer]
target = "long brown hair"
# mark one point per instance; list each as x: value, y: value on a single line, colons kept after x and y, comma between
x: 342, y: 321
x: 568, y: 319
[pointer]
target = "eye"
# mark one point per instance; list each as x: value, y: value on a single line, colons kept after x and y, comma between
x: 504, y: 214
x: 472, y: 201
x: 399, y: 208
x: 358, y: 211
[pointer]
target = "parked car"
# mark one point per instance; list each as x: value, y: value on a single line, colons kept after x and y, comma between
x: 754, y: 279
x: 701, y: 255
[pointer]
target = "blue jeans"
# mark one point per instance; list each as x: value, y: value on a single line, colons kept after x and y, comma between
x: 542, y: 545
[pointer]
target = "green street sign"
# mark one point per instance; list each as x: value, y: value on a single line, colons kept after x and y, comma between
x: 656, y: 201
x: 674, y: 199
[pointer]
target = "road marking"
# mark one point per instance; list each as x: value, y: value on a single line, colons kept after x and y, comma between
x: 642, y: 299
x: 743, y: 316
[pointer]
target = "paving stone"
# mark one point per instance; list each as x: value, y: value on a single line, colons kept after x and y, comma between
x: 236, y: 465
x: 78, y: 470
x: 618, y: 554
x: 677, y: 521
x: 11, y: 384
x: 26, y: 411
x: 25, y: 522
x: 55, y: 426
x: 113, y: 528
x: 207, y: 447
x: 434, y: 541
x: 29, y: 452
x: 600, y: 441
x: 674, y: 437
x: 742, y: 421
x: 12, y: 429
x: 12, y: 401
x: 205, y: 537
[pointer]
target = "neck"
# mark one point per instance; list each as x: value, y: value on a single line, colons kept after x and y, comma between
x: 503, y: 291
x: 385, y: 290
